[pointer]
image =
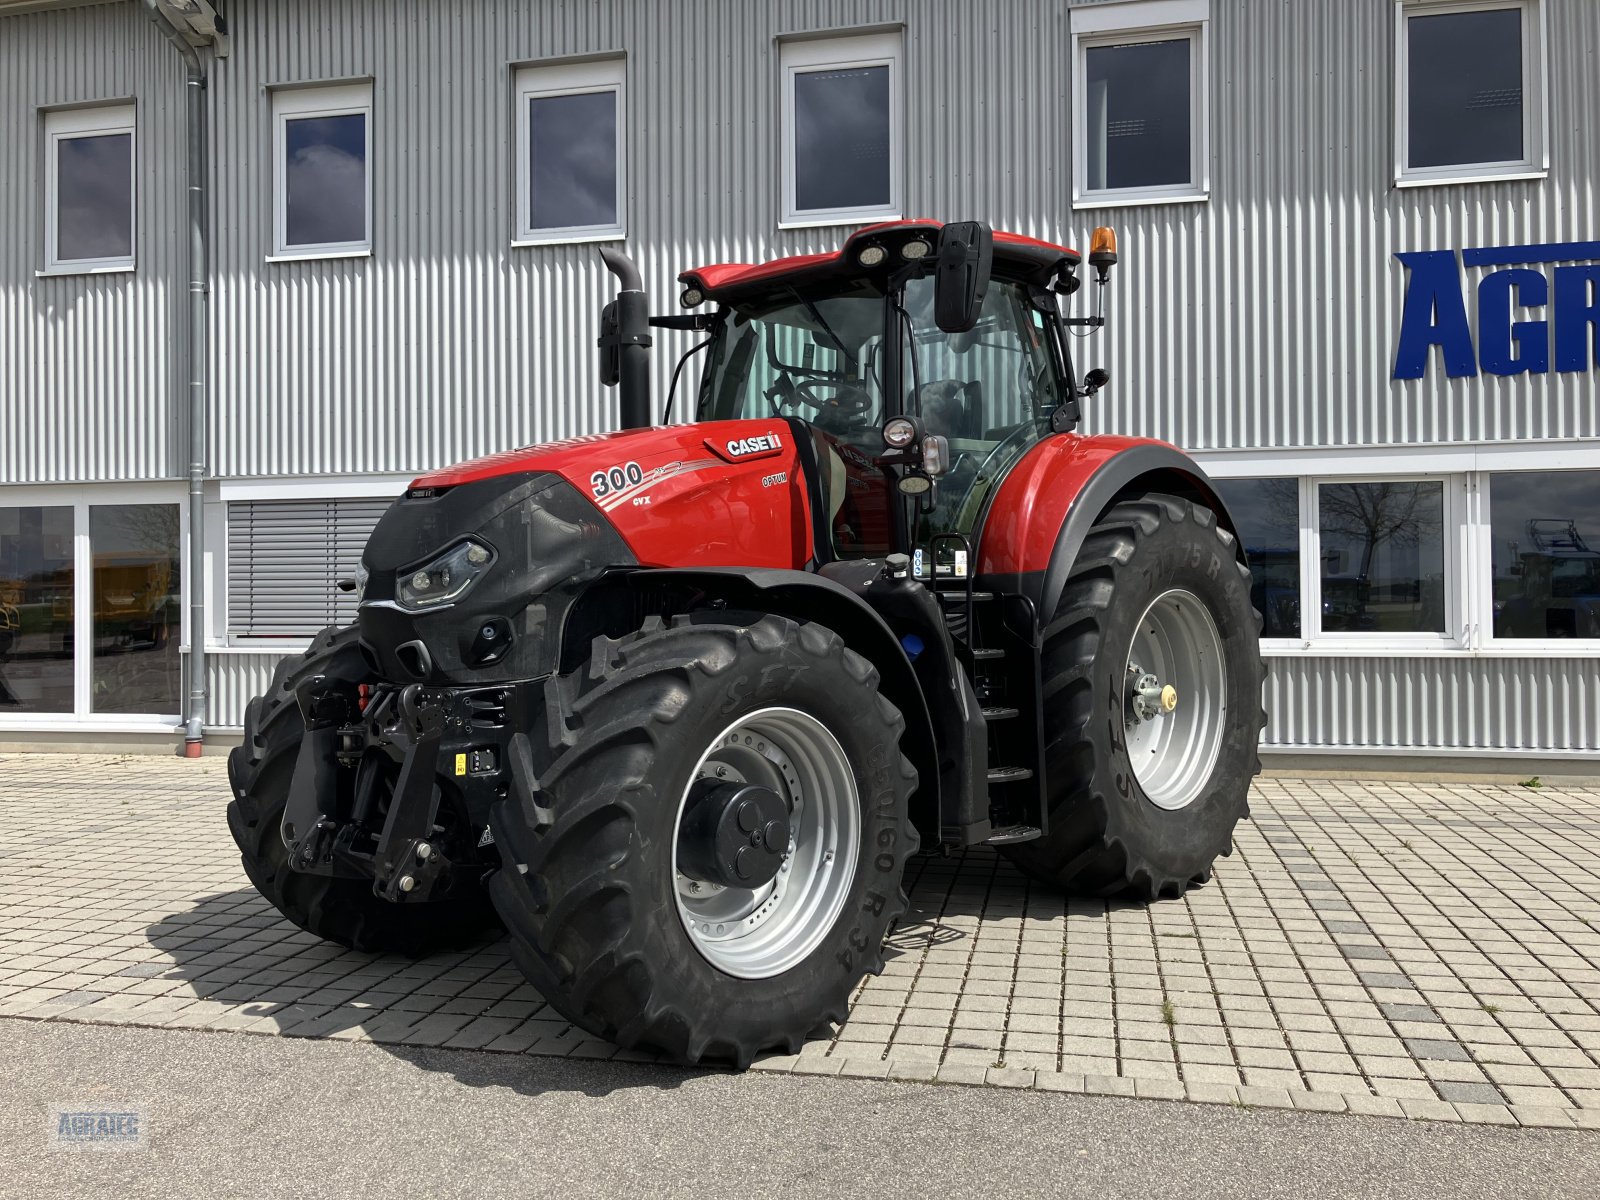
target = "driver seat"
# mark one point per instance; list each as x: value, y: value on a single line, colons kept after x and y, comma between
x: 953, y: 409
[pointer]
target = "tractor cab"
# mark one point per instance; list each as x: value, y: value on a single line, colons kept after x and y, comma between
x: 920, y: 378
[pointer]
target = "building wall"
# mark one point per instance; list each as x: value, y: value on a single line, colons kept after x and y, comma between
x: 87, y: 390
x: 1261, y: 320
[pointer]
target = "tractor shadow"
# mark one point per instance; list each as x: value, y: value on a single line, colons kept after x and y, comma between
x: 470, y: 1013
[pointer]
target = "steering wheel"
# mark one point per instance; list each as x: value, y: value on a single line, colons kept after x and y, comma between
x: 848, y: 400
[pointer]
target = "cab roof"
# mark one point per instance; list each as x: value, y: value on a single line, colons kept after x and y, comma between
x: 1015, y: 256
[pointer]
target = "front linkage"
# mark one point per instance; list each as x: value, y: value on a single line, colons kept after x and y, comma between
x: 405, y: 748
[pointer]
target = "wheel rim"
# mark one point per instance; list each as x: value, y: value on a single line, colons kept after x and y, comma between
x: 1176, y: 699
x: 760, y: 932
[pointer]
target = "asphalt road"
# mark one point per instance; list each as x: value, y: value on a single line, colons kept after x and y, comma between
x: 238, y: 1115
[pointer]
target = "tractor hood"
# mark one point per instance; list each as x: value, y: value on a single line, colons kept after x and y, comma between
x: 718, y: 493
x: 472, y: 572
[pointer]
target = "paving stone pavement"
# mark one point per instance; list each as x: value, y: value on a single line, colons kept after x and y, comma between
x: 1423, y: 951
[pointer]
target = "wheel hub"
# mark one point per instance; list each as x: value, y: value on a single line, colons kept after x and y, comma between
x: 781, y: 774
x: 734, y: 835
x: 1173, y: 747
x: 1148, y: 697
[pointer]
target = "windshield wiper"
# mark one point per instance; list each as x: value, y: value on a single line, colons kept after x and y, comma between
x: 817, y: 316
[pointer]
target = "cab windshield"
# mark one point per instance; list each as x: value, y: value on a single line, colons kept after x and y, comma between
x: 819, y: 354
x: 812, y: 354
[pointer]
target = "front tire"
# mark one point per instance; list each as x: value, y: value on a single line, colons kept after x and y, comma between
x: 609, y: 919
x: 340, y: 910
x: 1142, y: 796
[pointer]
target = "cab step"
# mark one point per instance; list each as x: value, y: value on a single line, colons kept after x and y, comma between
x: 963, y: 597
x: 986, y: 654
x: 1009, y: 774
x: 998, y: 713
x: 1010, y: 835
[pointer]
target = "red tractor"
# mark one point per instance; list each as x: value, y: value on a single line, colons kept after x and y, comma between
x: 675, y: 704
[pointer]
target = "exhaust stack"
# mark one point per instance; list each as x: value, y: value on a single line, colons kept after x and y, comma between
x: 625, y: 340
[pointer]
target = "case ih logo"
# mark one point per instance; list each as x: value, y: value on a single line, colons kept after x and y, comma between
x: 1561, y: 306
x: 766, y: 443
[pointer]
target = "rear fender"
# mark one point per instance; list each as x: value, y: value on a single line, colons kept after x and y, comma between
x: 800, y: 596
x: 1050, y: 501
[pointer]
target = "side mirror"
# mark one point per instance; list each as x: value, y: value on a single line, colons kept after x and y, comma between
x: 966, y: 254
x: 610, y: 348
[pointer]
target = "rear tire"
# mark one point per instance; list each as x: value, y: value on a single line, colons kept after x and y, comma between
x: 591, y: 890
x: 1155, y: 563
x: 340, y: 910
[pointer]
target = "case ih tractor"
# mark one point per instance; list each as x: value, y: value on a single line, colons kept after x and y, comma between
x: 675, y: 704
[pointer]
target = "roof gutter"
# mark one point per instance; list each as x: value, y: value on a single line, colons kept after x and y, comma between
x: 195, y: 351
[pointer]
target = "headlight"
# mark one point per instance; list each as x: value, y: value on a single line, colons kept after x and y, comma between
x: 444, y: 580
x: 899, y: 432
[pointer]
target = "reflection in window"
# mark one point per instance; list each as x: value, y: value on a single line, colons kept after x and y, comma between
x: 1464, y: 88
x: 94, y: 197
x: 136, y: 608
x: 572, y: 154
x: 1266, y: 513
x: 1139, y: 115
x: 1546, y: 554
x: 325, y: 172
x: 36, y: 610
x: 842, y: 139
x: 1382, y: 557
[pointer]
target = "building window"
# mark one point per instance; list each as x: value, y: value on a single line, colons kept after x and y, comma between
x: 36, y: 609
x: 322, y: 169
x: 1470, y: 91
x: 285, y: 559
x: 1545, y: 554
x: 1382, y: 557
x: 1141, y: 99
x: 137, y: 618
x: 1266, y: 513
x: 842, y: 130
x: 570, y: 173
x: 89, y: 190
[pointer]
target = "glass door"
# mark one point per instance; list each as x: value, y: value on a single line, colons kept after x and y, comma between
x: 36, y: 609
x: 91, y: 613
x: 138, y: 610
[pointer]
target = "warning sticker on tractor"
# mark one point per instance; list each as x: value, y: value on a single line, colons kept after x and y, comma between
x: 461, y: 764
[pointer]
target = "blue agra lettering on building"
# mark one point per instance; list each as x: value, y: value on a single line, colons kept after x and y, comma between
x: 1435, y: 312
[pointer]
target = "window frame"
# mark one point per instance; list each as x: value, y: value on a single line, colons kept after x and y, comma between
x: 1469, y: 465
x: 70, y: 124
x: 82, y: 498
x: 841, y: 51
x: 309, y: 101
x: 1265, y: 472
x: 580, y: 78
x: 1134, y: 22
x: 1482, y: 581
x: 1454, y: 537
x: 1535, y: 163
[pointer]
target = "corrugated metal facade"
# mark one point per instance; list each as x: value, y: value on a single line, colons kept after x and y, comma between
x: 87, y: 389
x: 1264, y: 318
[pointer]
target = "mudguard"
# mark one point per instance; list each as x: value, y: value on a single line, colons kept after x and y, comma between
x: 805, y: 596
x: 1043, y: 510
